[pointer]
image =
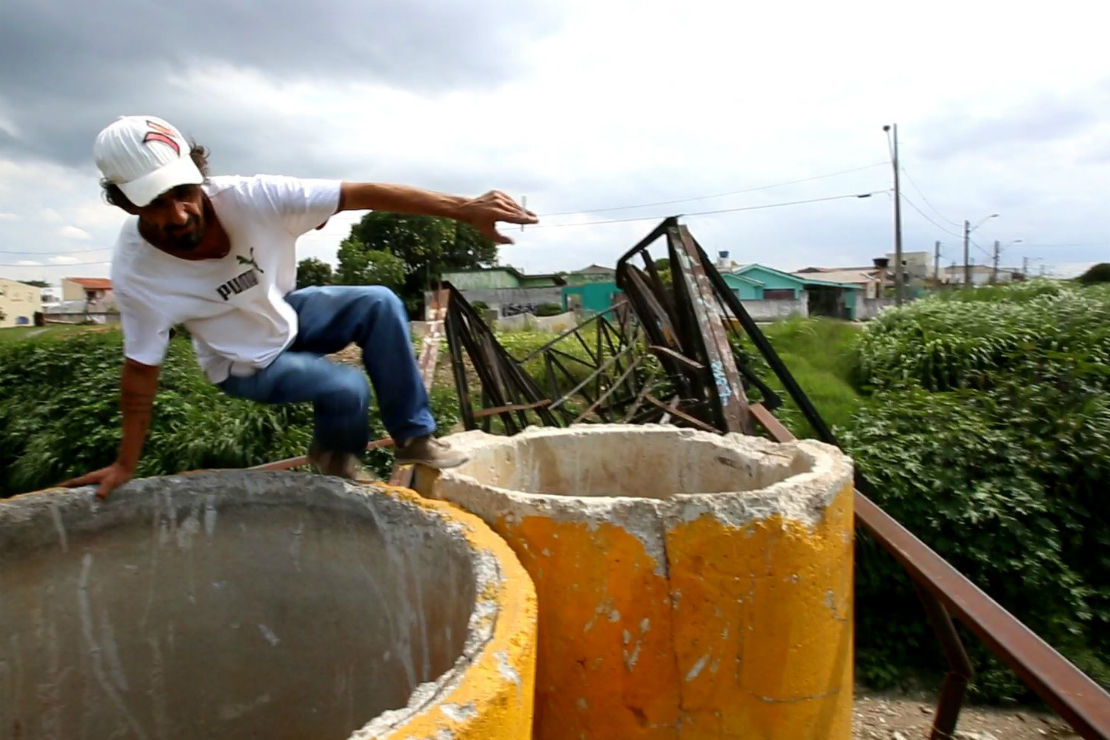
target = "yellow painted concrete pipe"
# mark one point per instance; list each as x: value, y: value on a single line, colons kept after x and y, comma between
x: 690, y: 585
x: 250, y: 604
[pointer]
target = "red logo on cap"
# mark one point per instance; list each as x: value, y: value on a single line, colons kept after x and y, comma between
x: 162, y: 134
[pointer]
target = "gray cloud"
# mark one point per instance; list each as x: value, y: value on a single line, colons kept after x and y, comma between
x: 1036, y: 122
x: 68, y: 68
x: 575, y: 104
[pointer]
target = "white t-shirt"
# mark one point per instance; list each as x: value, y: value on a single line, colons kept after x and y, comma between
x: 234, y: 307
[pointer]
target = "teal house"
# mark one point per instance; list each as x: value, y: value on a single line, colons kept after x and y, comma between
x: 590, y: 298
x: 745, y: 288
x: 823, y: 298
x: 749, y: 283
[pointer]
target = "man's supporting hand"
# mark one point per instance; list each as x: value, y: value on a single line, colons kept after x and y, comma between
x: 138, y: 385
x: 113, y: 476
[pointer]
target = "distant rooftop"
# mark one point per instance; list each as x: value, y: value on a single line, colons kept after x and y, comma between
x: 92, y: 283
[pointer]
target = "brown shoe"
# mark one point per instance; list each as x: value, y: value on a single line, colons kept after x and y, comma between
x: 430, y: 452
x: 340, y: 464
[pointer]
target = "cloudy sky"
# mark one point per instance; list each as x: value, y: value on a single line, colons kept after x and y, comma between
x: 591, y: 109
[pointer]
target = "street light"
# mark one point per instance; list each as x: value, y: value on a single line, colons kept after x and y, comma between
x: 988, y: 218
x: 967, y: 238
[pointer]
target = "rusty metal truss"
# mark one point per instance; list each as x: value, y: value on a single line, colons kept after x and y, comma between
x: 679, y: 349
x: 667, y: 353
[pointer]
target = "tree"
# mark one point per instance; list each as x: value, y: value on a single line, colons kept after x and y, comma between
x: 1099, y: 273
x: 426, y: 247
x: 663, y: 266
x: 360, y: 265
x: 311, y: 271
x: 36, y: 283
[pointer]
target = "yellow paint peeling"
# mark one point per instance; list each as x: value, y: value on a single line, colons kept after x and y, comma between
x: 791, y: 657
x: 679, y: 617
x: 748, y: 633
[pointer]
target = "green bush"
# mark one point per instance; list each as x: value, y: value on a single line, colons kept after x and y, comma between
x: 59, y: 416
x: 549, y: 309
x: 1099, y: 273
x: 988, y: 436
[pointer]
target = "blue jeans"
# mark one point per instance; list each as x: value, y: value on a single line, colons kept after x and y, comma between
x: 331, y: 318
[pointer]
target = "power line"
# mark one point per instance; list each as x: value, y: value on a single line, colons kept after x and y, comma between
x: 1073, y: 244
x: 710, y: 213
x: 934, y: 208
x: 74, y: 251
x: 717, y: 195
x: 982, y: 249
x: 57, y: 264
x: 927, y: 218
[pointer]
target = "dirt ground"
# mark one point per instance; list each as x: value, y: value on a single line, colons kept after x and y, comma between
x: 909, y: 716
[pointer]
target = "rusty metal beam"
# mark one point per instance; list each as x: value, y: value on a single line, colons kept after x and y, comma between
x: 960, y: 672
x: 730, y: 397
x: 513, y: 407
x: 433, y: 337
x: 672, y: 408
x: 296, y: 462
x: 1080, y: 701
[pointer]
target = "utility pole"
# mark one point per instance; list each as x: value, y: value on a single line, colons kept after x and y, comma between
x: 994, y: 271
x: 898, y: 275
x: 936, y: 264
x: 1025, y: 266
x: 967, y: 261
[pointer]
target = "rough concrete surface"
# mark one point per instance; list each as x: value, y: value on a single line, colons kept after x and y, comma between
x: 248, y: 604
x: 690, y: 585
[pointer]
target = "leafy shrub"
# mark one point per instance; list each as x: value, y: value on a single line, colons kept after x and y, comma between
x: 1099, y: 273
x: 989, y: 437
x: 549, y: 309
x: 59, y: 417
x: 945, y: 344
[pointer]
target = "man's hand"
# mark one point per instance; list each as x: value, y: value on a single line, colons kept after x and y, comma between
x: 485, y: 211
x: 482, y: 212
x: 113, y: 476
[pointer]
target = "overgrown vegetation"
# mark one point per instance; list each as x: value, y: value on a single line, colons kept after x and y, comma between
x: 821, y: 355
x: 981, y: 417
x: 987, y: 434
x: 59, y: 415
x: 1099, y: 273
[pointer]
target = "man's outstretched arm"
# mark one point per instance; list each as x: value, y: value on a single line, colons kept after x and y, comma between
x: 482, y: 212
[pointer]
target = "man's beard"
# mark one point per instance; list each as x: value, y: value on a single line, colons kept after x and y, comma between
x: 188, y: 237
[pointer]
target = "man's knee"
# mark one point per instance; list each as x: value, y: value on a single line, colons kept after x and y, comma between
x: 348, y: 388
x: 378, y: 298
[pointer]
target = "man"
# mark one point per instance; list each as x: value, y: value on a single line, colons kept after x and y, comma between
x: 218, y: 255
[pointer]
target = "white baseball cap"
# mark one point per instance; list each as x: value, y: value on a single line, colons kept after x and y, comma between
x: 145, y: 156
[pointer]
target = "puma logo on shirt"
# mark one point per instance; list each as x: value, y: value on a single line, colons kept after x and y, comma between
x: 242, y: 282
x: 238, y: 284
x: 244, y: 261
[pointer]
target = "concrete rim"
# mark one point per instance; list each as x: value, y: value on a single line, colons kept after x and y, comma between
x: 827, y: 464
x: 496, y: 666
